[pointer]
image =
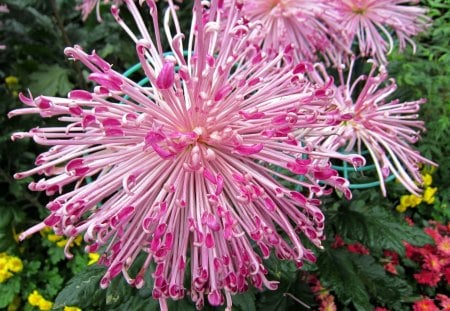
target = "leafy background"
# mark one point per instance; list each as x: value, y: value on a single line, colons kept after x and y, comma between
x: 351, y: 275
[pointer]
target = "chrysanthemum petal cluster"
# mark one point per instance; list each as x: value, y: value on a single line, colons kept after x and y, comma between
x: 373, y: 122
x: 190, y: 170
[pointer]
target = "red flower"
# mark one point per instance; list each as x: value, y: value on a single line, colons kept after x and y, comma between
x: 444, y: 246
x: 444, y: 301
x: 393, y: 256
x: 338, y: 242
x: 434, y: 233
x: 430, y: 278
x: 390, y: 267
x: 425, y: 304
x: 358, y: 248
x: 446, y: 272
x: 431, y: 262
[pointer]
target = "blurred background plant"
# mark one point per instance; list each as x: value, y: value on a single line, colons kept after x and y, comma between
x: 381, y: 253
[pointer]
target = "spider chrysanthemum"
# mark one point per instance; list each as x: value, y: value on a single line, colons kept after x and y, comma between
x: 190, y: 169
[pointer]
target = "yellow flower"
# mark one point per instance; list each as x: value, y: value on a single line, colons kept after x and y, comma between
x: 428, y: 195
x: 45, y: 305
x: 15, y: 264
x: 4, y: 263
x: 405, y: 201
x: 78, y: 240
x: 66, y: 308
x: 11, y: 81
x: 53, y: 237
x: 93, y: 258
x: 401, y: 208
x: 5, y: 275
x: 34, y: 298
x: 415, y: 200
x: 61, y: 243
x: 3, y: 255
x: 427, y: 179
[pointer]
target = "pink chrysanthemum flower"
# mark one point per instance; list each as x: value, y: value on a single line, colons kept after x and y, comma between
x: 306, y: 26
x: 3, y: 9
x: 87, y: 6
x: 371, y: 23
x: 188, y: 170
x: 386, y: 129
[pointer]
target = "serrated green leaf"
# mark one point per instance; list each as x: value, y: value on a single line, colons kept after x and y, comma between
x: 82, y: 290
x: 246, y: 301
x: 337, y: 272
x: 376, y: 227
x: 8, y: 290
x: 50, y: 80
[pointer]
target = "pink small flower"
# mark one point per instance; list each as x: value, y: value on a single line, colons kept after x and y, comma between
x: 187, y: 170
x: 87, y: 6
x: 307, y: 27
x: 371, y: 22
x: 366, y: 120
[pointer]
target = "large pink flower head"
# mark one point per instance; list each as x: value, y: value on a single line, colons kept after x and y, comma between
x: 372, y: 24
x: 387, y: 129
x: 306, y: 26
x: 188, y: 170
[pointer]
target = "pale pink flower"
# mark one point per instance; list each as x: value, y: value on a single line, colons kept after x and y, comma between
x: 3, y: 9
x: 371, y: 24
x: 308, y: 27
x: 87, y: 6
x: 188, y: 169
x: 387, y: 129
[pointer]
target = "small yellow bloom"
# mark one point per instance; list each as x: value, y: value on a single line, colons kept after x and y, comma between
x: 15, y: 264
x: 53, y: 237
x: 34, y: 298
x: 66, y: 308
x: 428, y: 195
x: 78, y: 240
x: 93, y: 258
x: 401, y: 208
x: 45, y: 305
x: 427, y: 180
x: 11, y: 80
x: 415, y: 200
x: 405, y: 200
x: 5, y: 275
x: 3, y: 255
x: 61, y: 243
x: 4, y: 263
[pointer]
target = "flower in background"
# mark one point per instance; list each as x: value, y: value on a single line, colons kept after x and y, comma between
x: 187, y: 170
x: 9, y: 265
x: 385, y: 129
x: 306, y: 27
x: 371, y: 23
x: 87, y: 6
x: 444, y: 301
x: 66, y: 308
x: 425, y: 304
x: 37, y: 300
x: 3, y: 9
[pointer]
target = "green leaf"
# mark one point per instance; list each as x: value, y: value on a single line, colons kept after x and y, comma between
x: 50, y: 80
x: 83, y: 289
x: 8, y: 290
x: 376, y: 227
x: 337, y: 272
x: 246, y: 301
